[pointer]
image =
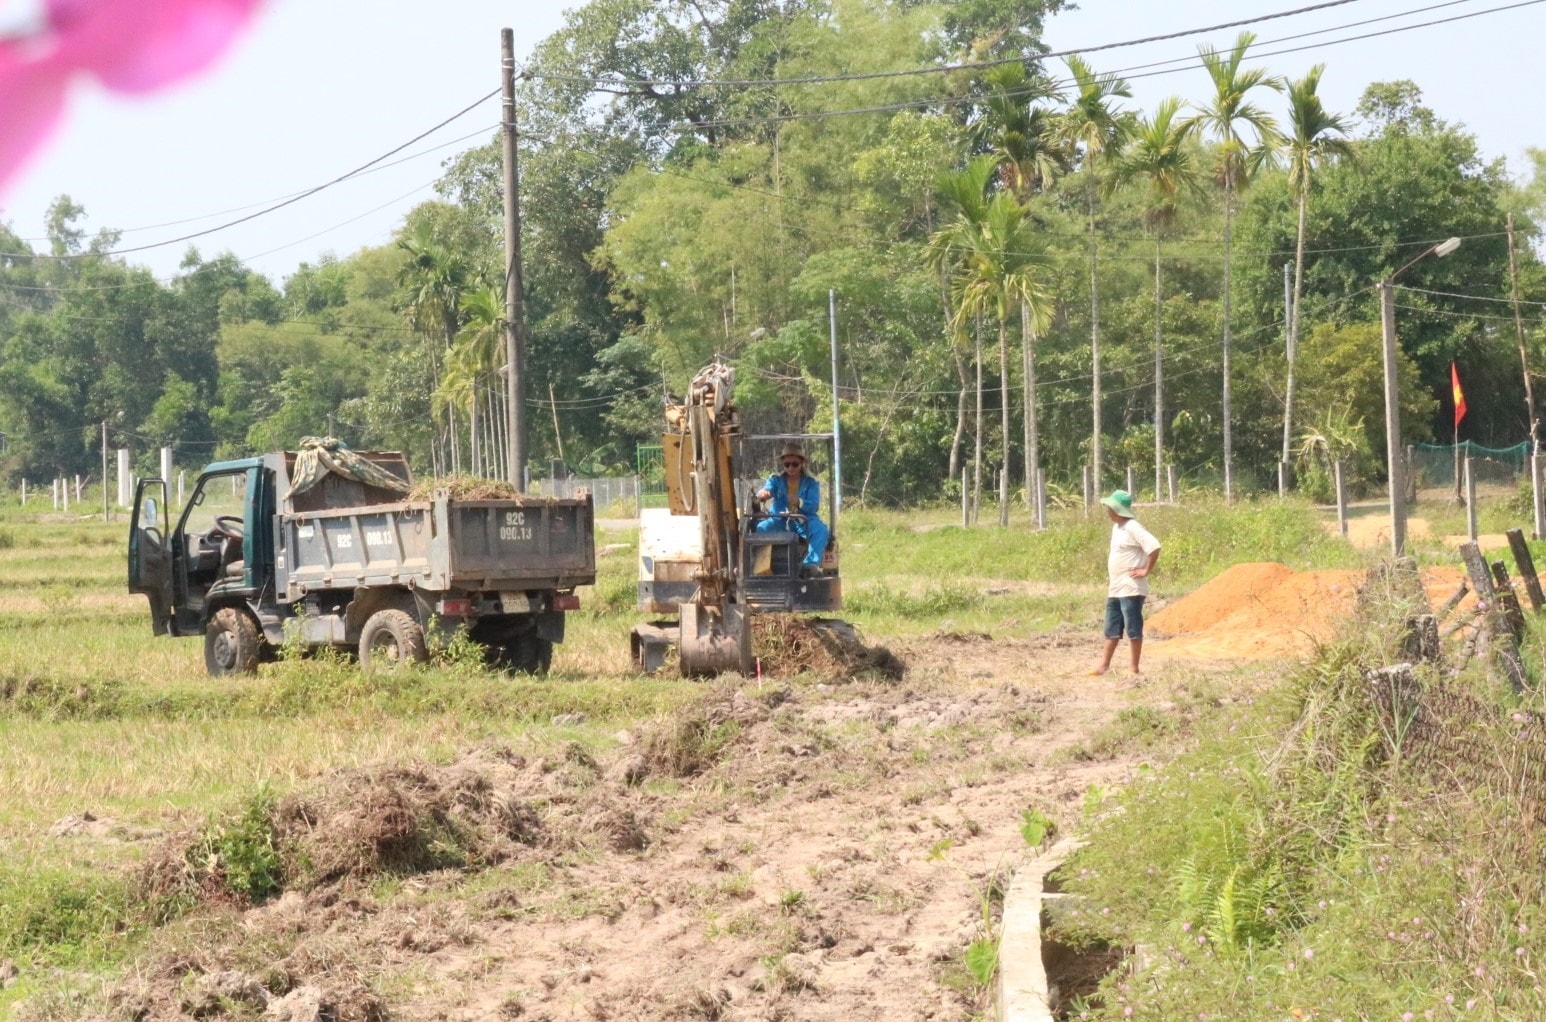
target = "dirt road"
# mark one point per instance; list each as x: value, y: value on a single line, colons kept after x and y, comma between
x: 829, y: 863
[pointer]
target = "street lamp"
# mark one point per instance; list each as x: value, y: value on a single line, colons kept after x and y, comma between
x: 1392, y: 397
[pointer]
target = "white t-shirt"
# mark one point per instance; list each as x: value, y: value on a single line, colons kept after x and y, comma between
x: 1131, y: 545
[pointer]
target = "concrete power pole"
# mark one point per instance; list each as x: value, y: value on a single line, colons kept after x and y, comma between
x: 515, y: 311
x: 1393, y: 420
x: 1519, y: 330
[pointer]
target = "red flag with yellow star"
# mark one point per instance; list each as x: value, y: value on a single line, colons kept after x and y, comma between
x: 1454, y: 382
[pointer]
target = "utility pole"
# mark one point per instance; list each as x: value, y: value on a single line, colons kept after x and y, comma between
x: 1288, y: 397
x: 1519, y: 330
x: 1393, y: 418
x: 515, y: 300
x: 104, y: 470
x: 837, y: 431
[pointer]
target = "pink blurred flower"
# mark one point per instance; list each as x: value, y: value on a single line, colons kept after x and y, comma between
x: 128, y: 46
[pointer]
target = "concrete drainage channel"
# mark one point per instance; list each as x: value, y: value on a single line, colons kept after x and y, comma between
x: 1039, y: 978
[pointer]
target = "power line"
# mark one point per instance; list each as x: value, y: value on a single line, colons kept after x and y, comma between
x: 294, y: 195
x: 942, y: 69
x: 1456, y: 294
x: 969, y: 97
x: 268, y: 209
x: 1169, y: 242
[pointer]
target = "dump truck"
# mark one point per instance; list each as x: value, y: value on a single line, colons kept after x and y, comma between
x: 322, y: 547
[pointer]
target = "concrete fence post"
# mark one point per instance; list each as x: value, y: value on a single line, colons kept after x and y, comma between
x: 125, y: 494
x: 1170, y: 480
x: 1341, y: 500
x: 1470, y: 500
x: 1539, y: 493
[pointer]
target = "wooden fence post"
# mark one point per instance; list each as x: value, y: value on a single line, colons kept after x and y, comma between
x: 1494, y: 632
x: 1526, y: 565
x: 1508, y: 600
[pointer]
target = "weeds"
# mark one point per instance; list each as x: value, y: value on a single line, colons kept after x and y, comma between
x: 239, y: 854
x: 1338, y: 848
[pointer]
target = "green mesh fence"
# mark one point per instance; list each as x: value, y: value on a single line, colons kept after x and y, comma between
x: 1434, y: 464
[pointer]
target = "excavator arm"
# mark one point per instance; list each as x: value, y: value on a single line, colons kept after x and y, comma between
x: 714, y: 632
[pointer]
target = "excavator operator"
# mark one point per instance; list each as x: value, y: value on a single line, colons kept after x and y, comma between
x: 804, y: 521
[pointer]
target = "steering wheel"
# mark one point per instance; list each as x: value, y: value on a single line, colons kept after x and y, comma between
x: 229, y: 526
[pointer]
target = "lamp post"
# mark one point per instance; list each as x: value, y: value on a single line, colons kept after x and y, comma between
x: 1392, y: 397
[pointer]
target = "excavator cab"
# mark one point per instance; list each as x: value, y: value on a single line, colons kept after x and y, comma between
x: 709, y: 561
x: 774, y: 546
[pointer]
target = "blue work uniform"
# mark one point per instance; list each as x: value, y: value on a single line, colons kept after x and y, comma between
x: 811, y: 528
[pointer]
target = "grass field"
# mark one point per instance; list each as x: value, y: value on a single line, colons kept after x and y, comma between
x: 98, y: 716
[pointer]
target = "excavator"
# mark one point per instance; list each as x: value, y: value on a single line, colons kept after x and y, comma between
x: 706, y: 560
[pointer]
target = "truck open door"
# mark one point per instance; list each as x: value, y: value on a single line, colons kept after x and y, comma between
x: 150, y: 556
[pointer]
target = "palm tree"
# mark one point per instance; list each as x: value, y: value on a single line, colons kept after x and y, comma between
x: 1229, y: 115
x: 1019, y: 131
x: 478, y: 354
x: 1313, y: 139
x: 1093, y: 127
x: 431, y: 286
x: 1160, y: 158
x: 992, y: 258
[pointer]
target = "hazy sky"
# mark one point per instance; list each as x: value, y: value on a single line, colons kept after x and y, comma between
x: 321, y: 86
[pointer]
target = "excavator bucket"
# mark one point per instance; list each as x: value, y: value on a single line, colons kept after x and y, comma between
x: 714, y: 641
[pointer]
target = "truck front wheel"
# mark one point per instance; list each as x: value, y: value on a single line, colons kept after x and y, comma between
x: 233, y: 643
x: 391, y: 639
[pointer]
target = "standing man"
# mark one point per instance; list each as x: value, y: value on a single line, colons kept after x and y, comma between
x: 796, y: 494
x: 1134, y: 553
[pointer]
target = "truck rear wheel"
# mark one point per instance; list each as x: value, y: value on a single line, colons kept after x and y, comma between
x: 531, y: 655
x: 233, y: 643
x: 391, y: 639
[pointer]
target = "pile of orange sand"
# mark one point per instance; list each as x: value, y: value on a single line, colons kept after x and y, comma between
x: 1264, y: 610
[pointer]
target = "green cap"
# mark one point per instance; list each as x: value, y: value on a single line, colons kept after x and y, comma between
x: 1121, y: 502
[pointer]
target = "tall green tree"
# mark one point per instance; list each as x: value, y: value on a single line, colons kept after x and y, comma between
x: 1314, y: 137
x: 1163, y: 163
x: 1247, y: 137
x: 1016, y: 126
x: 1094, y: 127
x: 994, y: 261
x: 431, y: 288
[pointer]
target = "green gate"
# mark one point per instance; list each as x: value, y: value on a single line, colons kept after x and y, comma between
x: 651, y: 466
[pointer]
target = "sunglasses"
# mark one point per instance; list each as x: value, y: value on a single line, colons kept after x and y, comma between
x: 793, y: 464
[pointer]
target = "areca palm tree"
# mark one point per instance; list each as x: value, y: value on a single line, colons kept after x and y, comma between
x: 1160, y: 159
x: 430, y: 290
x: 1248, y: 137
x: 1314, y: 138
x: 993, y: 260
x: 478, y: 354
x: 1019, y: 130
x: 1094, y: 127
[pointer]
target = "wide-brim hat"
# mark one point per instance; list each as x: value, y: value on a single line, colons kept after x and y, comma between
x: 1121, y: 502
x: 792, y: 450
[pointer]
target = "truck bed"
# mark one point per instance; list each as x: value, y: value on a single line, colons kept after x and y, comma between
x: 441, y: 544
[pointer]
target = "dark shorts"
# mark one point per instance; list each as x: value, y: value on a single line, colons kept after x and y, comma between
x: 1124, y: 611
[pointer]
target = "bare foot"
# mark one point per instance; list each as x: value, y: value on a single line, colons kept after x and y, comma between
x: 1096, y: 672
